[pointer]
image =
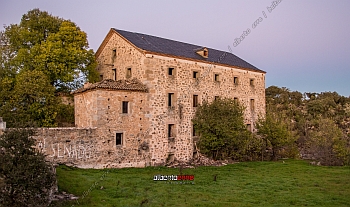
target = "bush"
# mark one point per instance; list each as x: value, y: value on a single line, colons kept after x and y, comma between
x: 328, y: 144
x: 223, y: 134
x: 277, y: 136
x: 25, y: 178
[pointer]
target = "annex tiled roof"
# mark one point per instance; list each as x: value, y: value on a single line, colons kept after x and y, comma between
x: 180, y: 49
x: 129, y: 85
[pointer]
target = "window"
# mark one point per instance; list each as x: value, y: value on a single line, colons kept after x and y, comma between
x: 125, y: 107
x: 114, y: 55
x: 114, y: 74
x: 235, y: 80
x: 128, y: 73
x: 170, y: 99
x: 249, y: 127
x: 118, y: 138
x: 205, y: 53
x: 235, y: 99
x: 194, y: 131
x: 195, y: 74
x: 171, y: 130
x: 251, y: 82
x: 101, y: 77
x: 195, y: 100
x: 216, y: 77
x: 252, y: 104
x: 171, y: 71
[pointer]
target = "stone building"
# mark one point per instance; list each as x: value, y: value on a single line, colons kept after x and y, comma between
x: 148, y: 94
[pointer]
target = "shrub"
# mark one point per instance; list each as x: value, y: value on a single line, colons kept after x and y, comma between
x: 223, y: 133
x: 25, y: 178
x: 328, y: 144
x: 276, y: 135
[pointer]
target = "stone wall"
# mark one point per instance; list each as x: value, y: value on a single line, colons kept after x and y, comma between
x: 152, y: 70
x: 184, y: 86
x: 89, y: 148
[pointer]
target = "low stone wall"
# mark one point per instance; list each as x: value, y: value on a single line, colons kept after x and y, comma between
x: 88, y: 148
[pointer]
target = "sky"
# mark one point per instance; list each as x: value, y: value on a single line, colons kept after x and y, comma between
x: 303, y: 45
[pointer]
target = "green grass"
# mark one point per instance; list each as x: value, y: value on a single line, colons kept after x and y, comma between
x: 292, y: 183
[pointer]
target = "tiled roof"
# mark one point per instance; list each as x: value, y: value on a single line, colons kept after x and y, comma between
x: 129, y: 85
x: 180, y: 49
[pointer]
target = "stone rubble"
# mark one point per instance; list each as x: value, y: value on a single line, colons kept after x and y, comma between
x: 64, y: 196
x: 200, y: 160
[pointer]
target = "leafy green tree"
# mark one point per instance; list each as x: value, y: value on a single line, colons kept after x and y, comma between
x: 223, y: 133
x: 25, y: 178
x: 328, y: 143
x: 34, y: 99
x: 41, y: 56
x: 52, y: 45
x: 307, y: 115
x: 276, y: 134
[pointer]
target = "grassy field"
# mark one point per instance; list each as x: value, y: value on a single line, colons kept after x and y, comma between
x: 282, y: 183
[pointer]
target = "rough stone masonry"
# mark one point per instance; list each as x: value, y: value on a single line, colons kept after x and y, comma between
x: 140, y: 113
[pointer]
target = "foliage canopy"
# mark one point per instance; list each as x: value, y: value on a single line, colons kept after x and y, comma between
x: 223, y: 133
x: 42, y: 56
x: 320, y: 122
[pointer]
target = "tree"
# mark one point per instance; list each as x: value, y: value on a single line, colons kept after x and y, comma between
x: 25, y: 178
x: 328, y: 144
x: 40, y: 57
x: 55, y: 46
x: 313, y: 117
x: 275, y: 133
x: 223, y: 133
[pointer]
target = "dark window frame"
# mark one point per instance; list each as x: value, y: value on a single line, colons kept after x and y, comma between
x: 128, y: 73
x: 194, y: 134
x: 171, y: 130
x: 205, y: 53
x: 171, y: 99
x: 216, y: 77
x: 171, y: 71
x: 195, y: 100
x: 125, y: 107
x: 235, y: 80
x: 114, y: 73
x: 249, y: 127
x: 118, y: 139
x: 252, y: 104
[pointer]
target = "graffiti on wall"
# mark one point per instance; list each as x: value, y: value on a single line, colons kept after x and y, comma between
x: 66, y: 150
